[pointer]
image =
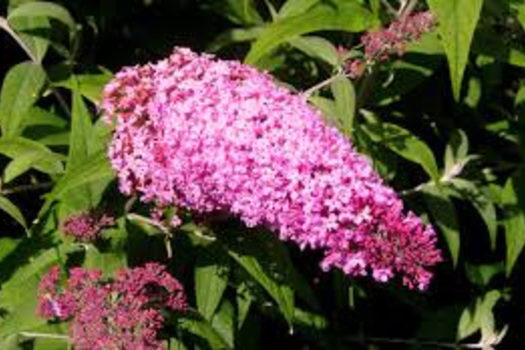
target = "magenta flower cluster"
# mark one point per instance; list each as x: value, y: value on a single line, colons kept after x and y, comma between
x: 124, y: 313
x: 86, y: 226
x: 379, y: 45
x: 219, y: 136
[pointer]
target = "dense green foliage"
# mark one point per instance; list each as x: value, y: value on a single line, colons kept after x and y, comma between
x: 443, y: 124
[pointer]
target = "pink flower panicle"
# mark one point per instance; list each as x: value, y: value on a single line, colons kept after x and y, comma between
x: 52, y: 303
x: 381, y: 44
x: 218, y: 136
x: 86, y: 226
x: 124, y: 313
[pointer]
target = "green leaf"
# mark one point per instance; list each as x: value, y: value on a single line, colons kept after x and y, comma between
x: 34, y: 32
x: 404, y: 143
x: 514, y: 225
x: 457, y: 148
x: 482, y: 275
x: 232, y: 36
x: 457, y: 22
x: 281, y: 293
x: 81, y: 197
x: 343, y: 15
x: 203, y: 329
x: 327, y: 107
x: 293, y: 8
x: 223, y: 322
x: 478, y: 316
x: 28, y: 154
x: 37, y: 116
x: 7, y: 206
x: 20, y: 90
x: 88, y: 85
x: 317, y: 47
x: 345, y: 100
x: 420, y: 61
x: 211, y: 280
x: 96, y: 168
x: 469, y: 191
x: 266, y: 261
x: 43, y: 9
x: 444, y: 213
x: 244, y: 301
x: 110, y: 255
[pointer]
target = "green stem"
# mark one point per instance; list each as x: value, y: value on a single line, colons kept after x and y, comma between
x: 44, y: 336
x: 322, y: 84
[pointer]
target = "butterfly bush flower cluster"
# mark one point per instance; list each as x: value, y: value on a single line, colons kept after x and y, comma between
x: 86, y: 226
x: 218, y: 136
x: 123, y: 313
x: 381, y: 44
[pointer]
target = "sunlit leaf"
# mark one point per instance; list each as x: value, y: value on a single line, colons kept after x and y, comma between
x: 347, y: 15
x: 457, y: 22
x: 514, y: 225
x: 8, y: 207
x: 20, y: 90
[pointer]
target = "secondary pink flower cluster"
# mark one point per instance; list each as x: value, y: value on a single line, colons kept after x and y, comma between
x: 381, y: 44
x: 124, y: 313
x: 219, y: 136
x: 86, y: 226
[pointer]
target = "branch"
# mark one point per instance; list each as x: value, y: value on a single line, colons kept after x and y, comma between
x: 27, y: 188
x: 5, y: 26
x: 322, y: 84
x: 390, y: 9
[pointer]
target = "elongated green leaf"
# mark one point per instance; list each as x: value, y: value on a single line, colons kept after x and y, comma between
x: 34, y: 32
x: 31, y: 154
x: 456, y: 150
x: 457, y: 22
x: 43, y: 9
x: 20, y: 90
x: 88, y: 85
x: 224, y: 321
x: 204, y: 330
x: 420, y: 61
x: 471, y: 192
x: 244, y: 301
x: 80, y: 134
x: 211, y: 279
x: 347, y: 15
x: 37, y: 116
x: 327, y: 107
x: 344, y: 96
x: 281, y: 293
x: 81, y: 198
x: 404, y: 143
x: 444, y: 213
x: 295, y: 7
x: 479, y: 316
x: 514, y: 225
x: 7, y: 206
x: 96, y: 168
x: 232, y: 36
x: 316, y: 47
